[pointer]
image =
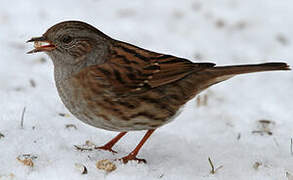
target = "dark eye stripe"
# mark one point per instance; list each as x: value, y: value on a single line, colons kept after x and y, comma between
x: 79, y: 48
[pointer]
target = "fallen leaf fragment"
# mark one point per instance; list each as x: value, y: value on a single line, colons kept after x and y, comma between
x: 106, y: 165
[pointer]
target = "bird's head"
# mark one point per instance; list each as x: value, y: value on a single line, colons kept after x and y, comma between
x: 72, y: 42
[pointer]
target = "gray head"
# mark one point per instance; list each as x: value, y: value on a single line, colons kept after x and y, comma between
x: 72, y: 43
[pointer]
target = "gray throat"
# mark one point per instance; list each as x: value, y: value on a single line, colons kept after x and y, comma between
x: 64, y: 72
x: 65, y: 66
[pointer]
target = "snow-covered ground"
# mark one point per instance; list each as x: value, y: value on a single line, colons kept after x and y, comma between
x: 225, y: 128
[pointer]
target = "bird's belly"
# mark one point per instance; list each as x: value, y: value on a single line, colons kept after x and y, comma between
x: 96, y: 112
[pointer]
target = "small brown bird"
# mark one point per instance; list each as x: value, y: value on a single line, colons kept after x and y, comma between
x: 117, y: 86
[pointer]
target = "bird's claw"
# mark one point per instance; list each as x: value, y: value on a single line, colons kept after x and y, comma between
x: 131, y: 158
x: 106, y: 148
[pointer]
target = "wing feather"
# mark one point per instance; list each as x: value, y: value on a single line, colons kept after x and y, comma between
x: 131, y: 69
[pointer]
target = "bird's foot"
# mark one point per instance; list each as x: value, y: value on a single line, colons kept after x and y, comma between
x: 131, y: 158
x: 106, y: 148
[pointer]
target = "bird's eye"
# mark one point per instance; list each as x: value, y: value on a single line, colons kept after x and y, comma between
x: 66, y: 39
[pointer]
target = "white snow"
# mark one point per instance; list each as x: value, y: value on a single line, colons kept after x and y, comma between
x: 224, y: 32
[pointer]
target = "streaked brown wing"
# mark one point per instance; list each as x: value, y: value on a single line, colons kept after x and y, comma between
x: 132, y: 69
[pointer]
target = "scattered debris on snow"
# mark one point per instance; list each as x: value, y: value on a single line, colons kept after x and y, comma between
x: 71, y: 126
x: 264, y: 127
x: 27, y: 159
x: 81, y: 168
x: 88, y: 146
x: 256, y: 165
x: 1, y: 135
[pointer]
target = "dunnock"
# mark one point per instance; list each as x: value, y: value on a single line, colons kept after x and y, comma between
x: 117, y: 86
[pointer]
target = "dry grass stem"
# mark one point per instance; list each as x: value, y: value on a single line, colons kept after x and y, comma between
x: 22, y: 118
x: 212, y: 166
x: 213, y: 170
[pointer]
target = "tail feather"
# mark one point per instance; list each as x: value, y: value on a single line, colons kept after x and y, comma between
x: 250, y: 68
x: 220, y: 73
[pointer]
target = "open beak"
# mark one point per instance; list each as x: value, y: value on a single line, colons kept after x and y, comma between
x: 41, y: 44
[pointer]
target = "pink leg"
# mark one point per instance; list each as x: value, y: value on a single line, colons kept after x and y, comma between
x: 110, y: 144
x: 132, y: 155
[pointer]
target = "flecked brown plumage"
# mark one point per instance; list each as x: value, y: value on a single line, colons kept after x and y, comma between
x: 117, y: 86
